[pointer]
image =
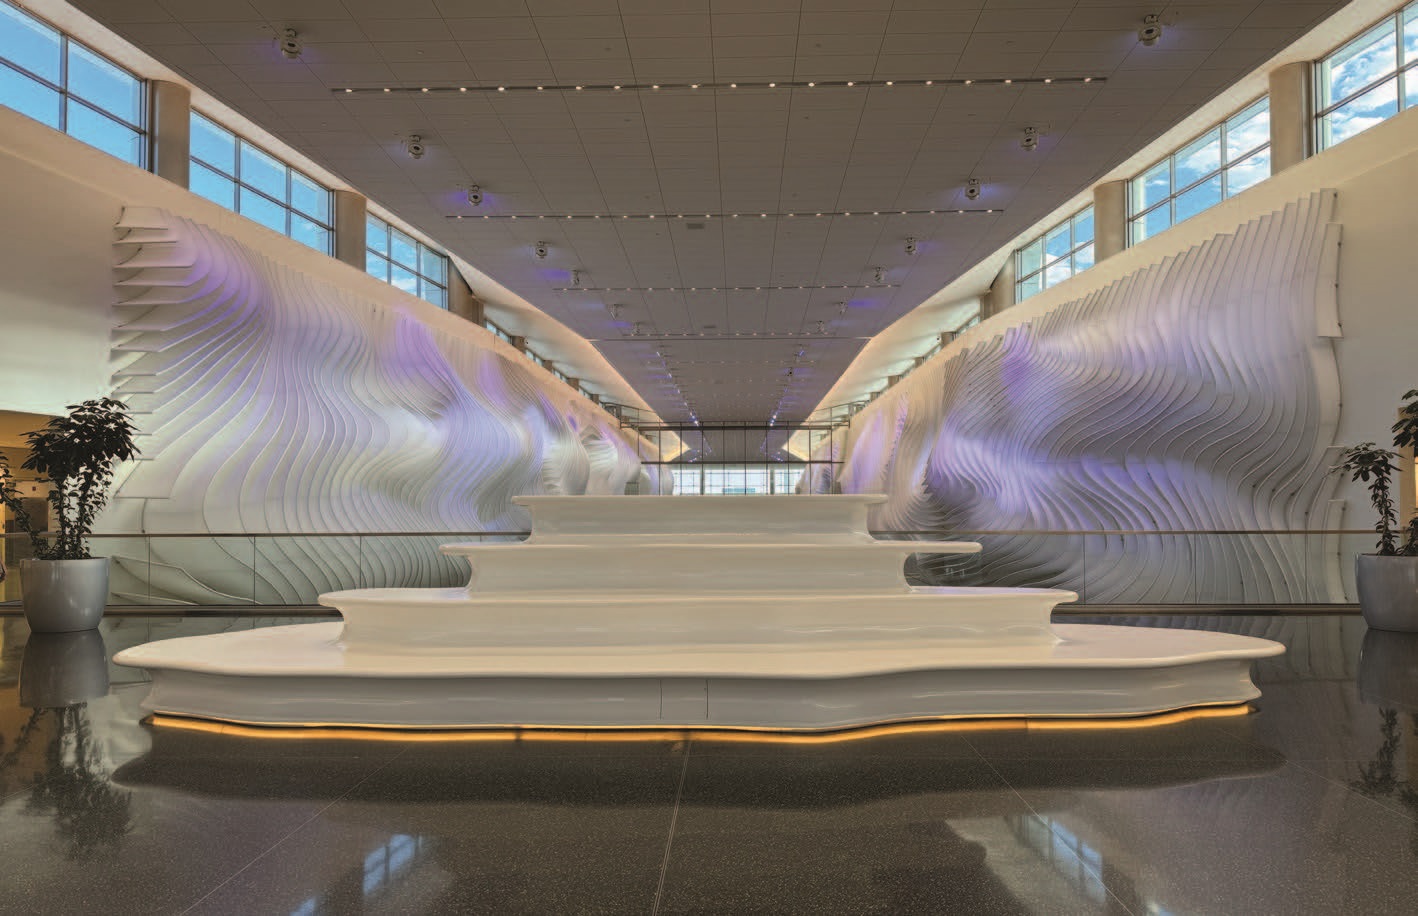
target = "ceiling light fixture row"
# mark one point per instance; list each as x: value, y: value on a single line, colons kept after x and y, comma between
x: 710, y: 289
x: 730, y: 86
x: 807, y: 214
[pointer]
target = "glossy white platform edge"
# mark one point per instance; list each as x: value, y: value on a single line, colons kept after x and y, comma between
x: 1199, y: 393
x: 697, y: 612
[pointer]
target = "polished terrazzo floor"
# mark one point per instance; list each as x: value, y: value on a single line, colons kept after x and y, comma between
x: 1307, y: 805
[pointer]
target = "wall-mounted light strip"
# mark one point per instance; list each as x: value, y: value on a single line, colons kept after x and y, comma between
x: 713, y: 289
x: 805, y: 214
x: 708, y: 86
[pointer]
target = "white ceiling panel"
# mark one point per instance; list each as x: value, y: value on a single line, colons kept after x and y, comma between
x: 715, y: 152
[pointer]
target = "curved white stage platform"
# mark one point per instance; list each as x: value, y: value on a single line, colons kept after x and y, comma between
x: 736, y: 612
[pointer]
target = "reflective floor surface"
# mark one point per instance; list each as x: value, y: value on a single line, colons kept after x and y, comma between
x: 1307, y: 805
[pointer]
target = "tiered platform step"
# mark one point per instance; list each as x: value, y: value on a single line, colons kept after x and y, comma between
x: 738, y: 612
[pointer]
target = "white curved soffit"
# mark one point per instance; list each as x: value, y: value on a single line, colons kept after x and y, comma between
x: 1193, y: 394
x: 269, y: 401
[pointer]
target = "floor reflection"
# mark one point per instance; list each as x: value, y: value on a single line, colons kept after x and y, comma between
x: 1308, y: 805
x: 69, y: 773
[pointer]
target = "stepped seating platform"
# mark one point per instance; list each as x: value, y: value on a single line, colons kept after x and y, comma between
x: 757, y: 612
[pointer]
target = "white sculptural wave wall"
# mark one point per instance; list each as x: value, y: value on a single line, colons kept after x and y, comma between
x: 1199, y: 394
x: 269, y: 401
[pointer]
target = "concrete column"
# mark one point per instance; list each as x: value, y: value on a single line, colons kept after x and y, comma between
x: 519, y: 342
x: 170, y: 130
x: 892, y: 381
x: 462, y: 301
x: 1001, y: 294
x: 1292, y: 113
x: 1110, y: 219
x: 575, y: 383
x: 350, y: 242
x: 946, y: 338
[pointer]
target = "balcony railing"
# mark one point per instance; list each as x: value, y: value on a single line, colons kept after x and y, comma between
x: 1129, y: 567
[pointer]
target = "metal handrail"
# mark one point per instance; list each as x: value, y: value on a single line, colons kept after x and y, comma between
x: 1125, y: 531
x: 99, y: 535
x: 882, y: 531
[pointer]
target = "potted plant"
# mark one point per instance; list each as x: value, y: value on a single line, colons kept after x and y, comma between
x: 1387, y: 580
x: 64, y: 587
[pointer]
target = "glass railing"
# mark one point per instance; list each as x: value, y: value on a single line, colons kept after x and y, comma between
x: 1140, y: 567
x: 836, y: 414
x: 264, y: 570
x: 1109, y: 567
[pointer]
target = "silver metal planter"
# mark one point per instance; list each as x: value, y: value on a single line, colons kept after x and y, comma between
x: 61, y: 596
x: 1388, y: 591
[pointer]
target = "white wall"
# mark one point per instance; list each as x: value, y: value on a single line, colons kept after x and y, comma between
x: 1375, y: 176
x: 275, y: 389
x: 59, y: 203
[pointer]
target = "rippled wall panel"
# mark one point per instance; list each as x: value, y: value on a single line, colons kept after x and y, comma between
x: 269, y: 401
x: 1199, y: 393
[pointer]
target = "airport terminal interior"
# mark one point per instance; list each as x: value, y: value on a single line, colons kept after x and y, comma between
x: 708, y: 456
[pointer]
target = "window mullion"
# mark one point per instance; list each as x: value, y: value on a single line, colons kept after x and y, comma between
x: 63, y: 82
x: 1367, y: 88
x: 107, y: 114
x: 27, y: 74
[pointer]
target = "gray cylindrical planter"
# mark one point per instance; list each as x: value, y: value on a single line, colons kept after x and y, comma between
x: 1388, y: 591
x: 61, y: 596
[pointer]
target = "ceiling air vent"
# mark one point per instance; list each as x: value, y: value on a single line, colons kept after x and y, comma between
x: 694, y: 225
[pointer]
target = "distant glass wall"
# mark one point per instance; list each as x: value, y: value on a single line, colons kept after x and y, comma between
x: 1368, y: 80
x: 228, y: 170
x: 55, y: 80
x: 1055, y: 255
x: 740, y: 479
x: 1222, y: 162
x: 405, y: 263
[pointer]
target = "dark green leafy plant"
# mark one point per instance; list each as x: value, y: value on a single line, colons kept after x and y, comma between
x: 76, y: 456
x: 1369, y: 464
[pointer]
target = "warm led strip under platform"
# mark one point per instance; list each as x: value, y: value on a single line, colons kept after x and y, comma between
x: 551, y: 733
